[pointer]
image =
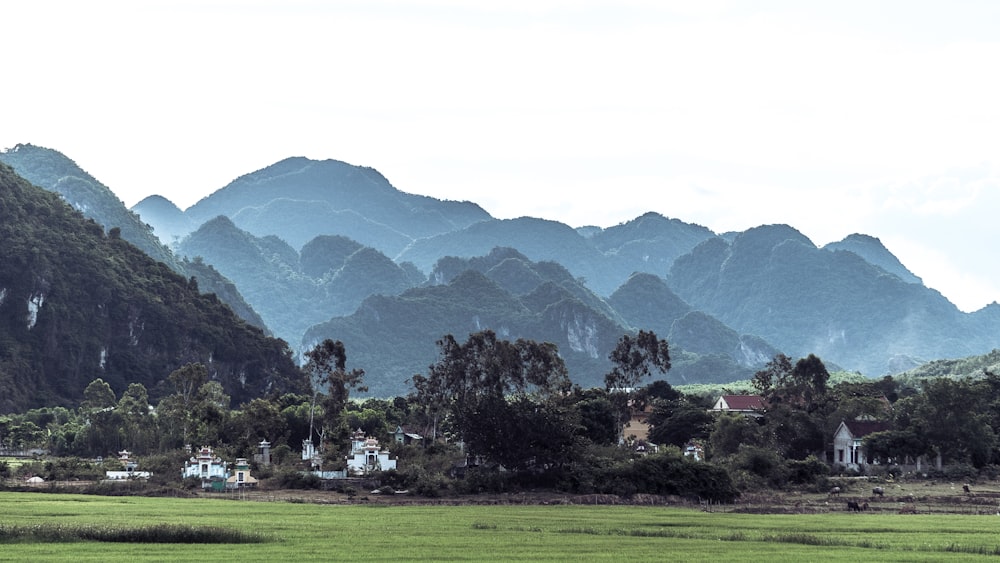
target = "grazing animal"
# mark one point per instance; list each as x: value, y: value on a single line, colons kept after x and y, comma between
x: 878, y: 492
x: 864, y: 506
x: 853, y: 506
x: 835, y: 491
x: 965, y: 488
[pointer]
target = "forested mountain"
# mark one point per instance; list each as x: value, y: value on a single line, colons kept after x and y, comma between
x: 773, y: 282
x: 53, y: 171
x: 331, y: 278
x: 393, y: 338
x: 77, y: 304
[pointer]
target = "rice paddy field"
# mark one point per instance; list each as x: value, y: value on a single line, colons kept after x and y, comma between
x: 56, y: 527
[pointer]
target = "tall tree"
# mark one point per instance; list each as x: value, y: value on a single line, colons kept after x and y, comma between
x: 632, y: 360
x: 487, y: 378
x: 327, y: 370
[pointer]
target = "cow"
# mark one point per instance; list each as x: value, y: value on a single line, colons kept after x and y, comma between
x: 853, y: 506
x: 835, y: 491
x: 878, y: 492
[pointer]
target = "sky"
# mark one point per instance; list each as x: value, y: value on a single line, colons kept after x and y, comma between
x: 873, y: 117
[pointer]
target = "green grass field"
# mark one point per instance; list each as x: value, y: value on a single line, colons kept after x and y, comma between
x: 303, y: 531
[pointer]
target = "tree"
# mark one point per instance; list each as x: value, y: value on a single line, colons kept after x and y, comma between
x: 137, y: 429
x: 484, y: 379
x: 327, y: 370
x: 97, y: 408
x: 678, y: 421
x: 197, y: 410
x: 632, y: 361
x: 952, y: 416
x: 97, y: 395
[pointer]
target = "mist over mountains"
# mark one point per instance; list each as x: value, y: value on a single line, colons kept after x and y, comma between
x: 324, y: 249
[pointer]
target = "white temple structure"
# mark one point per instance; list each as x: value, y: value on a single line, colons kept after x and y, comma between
x: 206, y: 466
x: 366, y: 456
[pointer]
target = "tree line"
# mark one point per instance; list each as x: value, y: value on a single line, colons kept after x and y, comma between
x: 504, y: 414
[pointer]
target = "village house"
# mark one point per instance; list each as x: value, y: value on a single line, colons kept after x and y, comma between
x: 405, y: 435
x: 746, y: 405
x: 847, y: 450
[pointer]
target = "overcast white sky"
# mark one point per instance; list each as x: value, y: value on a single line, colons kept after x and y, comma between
x: 833, y: 117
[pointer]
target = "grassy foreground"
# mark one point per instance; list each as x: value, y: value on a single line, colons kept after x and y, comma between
x: 299, y: 531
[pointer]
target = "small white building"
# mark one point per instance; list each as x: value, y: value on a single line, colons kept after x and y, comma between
x: 128, y: 470
x: 206, y: 466
x: 366, y: 456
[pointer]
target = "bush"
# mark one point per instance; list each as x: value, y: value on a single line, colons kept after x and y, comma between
x: 292, y: 479
x: 960, y: 472
x: 807, y: 471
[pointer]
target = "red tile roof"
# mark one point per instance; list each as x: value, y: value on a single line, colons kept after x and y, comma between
x: 744, y: 402
x: 862, y: 428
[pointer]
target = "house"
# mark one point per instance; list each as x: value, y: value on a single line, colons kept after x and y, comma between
x: 366, y: 456
x: 210, y: 468
x: 638, y: 423
x: 847, y: 450
x: 241, y: 478
x: 404, y: 435
x: 128, y: 470
x: 746, y: 405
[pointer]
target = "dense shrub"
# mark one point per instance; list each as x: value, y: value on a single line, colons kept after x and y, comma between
x: 807, y: 471
x: 669, y: 473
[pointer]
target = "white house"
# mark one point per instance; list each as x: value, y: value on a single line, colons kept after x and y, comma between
x: 847, y: 450
x: 366, y: 456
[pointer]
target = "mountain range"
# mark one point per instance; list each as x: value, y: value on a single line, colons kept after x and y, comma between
x: 325, y: 249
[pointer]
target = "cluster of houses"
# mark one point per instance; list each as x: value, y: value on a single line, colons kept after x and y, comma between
x: 367, y: 456
x: 848, y: 453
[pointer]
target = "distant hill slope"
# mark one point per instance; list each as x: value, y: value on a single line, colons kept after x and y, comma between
x: 332, y: 276
x: 298, y: 199
x: 604, y: 259
x: 76, y: 304
x: 393, y: 338
x: 872, y: 250
x: 51, y: 170
x: 772, y: 281
x: 973, y: 366
x: 169, y: 223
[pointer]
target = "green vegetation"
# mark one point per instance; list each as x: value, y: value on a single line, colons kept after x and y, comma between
x: 78, y: 304
x: 376, y: 532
